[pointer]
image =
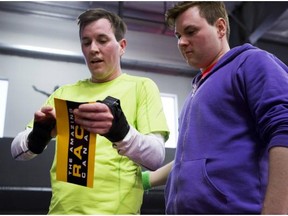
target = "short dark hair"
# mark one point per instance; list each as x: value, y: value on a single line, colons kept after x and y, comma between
x: 91, y: 15
x: 211, y: 11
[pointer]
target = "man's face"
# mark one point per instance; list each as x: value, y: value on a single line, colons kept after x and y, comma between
x: 101, y: 50
x: 198, y: 42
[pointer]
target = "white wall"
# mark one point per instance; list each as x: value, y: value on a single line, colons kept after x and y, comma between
x: 23, y: 72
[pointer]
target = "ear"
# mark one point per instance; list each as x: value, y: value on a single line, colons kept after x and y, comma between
x: 221, y: 27
x: 123, y: 44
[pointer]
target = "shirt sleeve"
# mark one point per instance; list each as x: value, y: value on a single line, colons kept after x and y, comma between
x: 146, y: 150
x: 150, y: 114
x: 19, y: 146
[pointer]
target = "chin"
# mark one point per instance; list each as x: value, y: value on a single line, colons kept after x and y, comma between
x: 96, y: 72
x: 195, y: 67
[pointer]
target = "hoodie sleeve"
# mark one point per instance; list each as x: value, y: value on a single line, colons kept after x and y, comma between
x: 266, y: 84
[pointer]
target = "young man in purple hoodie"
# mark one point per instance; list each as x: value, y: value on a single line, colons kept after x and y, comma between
x: 232, y: 155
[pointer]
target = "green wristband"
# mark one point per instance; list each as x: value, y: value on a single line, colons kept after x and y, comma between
x: 146, y: 180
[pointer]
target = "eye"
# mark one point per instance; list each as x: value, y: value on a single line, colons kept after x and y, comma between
x: 86, y: 42
x: 191, y: 32
x: 102, y: 39
x: 178, y: 36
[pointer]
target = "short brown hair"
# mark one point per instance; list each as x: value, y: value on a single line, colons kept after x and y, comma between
x: 91, y: 15
x: 211, y: 11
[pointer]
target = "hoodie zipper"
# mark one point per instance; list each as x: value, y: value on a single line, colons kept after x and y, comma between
x: 195, y: 86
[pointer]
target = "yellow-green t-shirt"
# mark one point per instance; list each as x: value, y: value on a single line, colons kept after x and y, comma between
x: 117, y: 179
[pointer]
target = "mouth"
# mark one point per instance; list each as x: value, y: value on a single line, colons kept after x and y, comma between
x: 188, y: 52
x: 96, y: 61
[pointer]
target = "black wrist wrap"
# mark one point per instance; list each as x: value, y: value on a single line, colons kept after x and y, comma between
x: 120, y: 126
x: 40, y: 136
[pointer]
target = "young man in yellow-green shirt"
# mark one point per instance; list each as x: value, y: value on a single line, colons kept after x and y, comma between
x: 129, y: 135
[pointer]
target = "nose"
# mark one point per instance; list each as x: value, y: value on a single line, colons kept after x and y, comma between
x: 94, y: 47
x: 182, y: 41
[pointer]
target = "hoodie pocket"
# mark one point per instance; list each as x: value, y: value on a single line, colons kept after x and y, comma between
x: 196, y: 192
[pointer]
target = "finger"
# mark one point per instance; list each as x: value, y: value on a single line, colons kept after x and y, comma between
x: 97, y: 125
x: 46, y: 109
x: 54, y: 132
x: 97, y: 130
x: 92, y: 116
x: 94, y: 120
x: 45, y: 116
x: 38, y: 115
x: 95, y: 111
x: 93, y: 107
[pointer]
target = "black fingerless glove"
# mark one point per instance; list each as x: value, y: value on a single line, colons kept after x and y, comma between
x: 40, y: 136
x: 120, y: 126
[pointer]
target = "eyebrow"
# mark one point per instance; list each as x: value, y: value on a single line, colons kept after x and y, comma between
x: 186, y: 29
x: 99, y: 35
x: 189, y: 27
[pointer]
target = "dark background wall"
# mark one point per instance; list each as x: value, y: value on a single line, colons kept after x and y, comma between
x: 25, y: 185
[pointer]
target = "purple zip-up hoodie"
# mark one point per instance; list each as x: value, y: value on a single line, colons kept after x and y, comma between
x: 227, y: 125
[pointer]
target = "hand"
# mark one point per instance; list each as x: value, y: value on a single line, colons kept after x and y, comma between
x: 43, y: 130
x: 94, y: 117
x: 47, y: 118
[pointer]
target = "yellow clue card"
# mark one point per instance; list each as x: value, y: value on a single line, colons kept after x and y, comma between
x: 75, y: 147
